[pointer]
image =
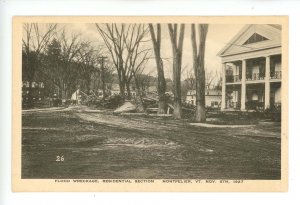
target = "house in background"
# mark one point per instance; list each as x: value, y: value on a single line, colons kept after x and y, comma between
x: 115, y: 90
x: 212, y: 98
x: 251, y: 69
x: 76, y: 97
x: 35, y: 91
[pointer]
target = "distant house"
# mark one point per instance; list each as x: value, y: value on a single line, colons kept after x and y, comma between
x: 212, y: 98
x: 117, y: 92
x: 34, y: 91
x: 76, y: 97
x: 252, y: 69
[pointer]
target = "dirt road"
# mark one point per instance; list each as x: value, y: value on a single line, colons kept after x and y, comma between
x: 97, y: 144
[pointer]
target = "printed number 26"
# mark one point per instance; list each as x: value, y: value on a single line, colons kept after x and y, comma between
x: 60, y: 158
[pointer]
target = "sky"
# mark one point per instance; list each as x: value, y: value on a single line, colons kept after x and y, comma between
x: 217, y: 37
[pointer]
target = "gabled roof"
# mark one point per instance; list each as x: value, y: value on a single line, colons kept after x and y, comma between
x: 269, y: 34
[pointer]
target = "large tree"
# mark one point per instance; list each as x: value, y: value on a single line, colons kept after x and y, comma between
x: 124, y: 43
x: 177, y: 45
x: 161, y: 82
x: 71, y: 45
x: 198, y: 64
x: 68, y: 63
x: 52, y: 68
x: 88, y: 61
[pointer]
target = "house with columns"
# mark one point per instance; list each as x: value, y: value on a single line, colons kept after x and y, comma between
x: 251, y: 69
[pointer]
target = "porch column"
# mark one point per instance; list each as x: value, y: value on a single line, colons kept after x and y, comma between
x: 267, y: 83
x: 223, y: 103
x: 243, y: 97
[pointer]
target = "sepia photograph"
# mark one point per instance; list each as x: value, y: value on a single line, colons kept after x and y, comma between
x: 109, y: 101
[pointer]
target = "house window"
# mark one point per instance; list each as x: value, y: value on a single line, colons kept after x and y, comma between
x: 214, y: 103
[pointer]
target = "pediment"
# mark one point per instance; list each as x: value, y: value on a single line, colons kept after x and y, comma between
x: 252, y: 38
x: 255, y: 38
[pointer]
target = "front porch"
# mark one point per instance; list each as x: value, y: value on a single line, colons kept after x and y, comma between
x: 254, y: 97
x: 251, y: 84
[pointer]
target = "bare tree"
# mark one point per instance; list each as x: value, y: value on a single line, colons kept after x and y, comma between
x: 190, y: 79
x: 142, y: 83
x: 161, y: 81
x: 67, y: 74
x: 198, y: 64
x: 88, y: 59
x: 35, y: 40
x: 123, y: 42
x: 210, y: 77
x: 103, y: 72
x: 102, y: 76
x: 177, y: 45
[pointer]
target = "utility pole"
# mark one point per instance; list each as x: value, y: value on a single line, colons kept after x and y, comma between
x: 102, y: 69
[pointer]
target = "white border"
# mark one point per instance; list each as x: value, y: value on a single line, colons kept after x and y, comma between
x: 9, y: 8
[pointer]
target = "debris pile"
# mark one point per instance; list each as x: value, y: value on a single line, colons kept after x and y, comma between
x: 126, y: 107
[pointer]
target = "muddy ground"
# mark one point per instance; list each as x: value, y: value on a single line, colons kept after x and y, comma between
x: 97, y: 144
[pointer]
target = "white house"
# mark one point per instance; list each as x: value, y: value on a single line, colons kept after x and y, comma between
x: 251, y: 68
x: 76, y: 97
x: 117, y: 92
x: 212, y: 98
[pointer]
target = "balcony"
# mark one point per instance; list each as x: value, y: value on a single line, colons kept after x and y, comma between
x: 255, y: 76
x: 233, y: 79
x: 276, y: 75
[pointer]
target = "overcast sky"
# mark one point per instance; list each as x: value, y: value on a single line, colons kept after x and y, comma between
x: 218, y: 36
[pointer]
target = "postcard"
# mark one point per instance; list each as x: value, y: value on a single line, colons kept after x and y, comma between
x: 150, y: 103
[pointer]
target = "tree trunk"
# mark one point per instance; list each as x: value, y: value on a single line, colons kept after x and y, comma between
x: 198, y: 64
x: 161, y: 82
x: 121, y: 84
x: 177, y: 60
x: 177, y: 87
x: 200, y: 95
x: 140, y: 93
x: 122, y: 90
x: 128, y: 91
x: 161, y: 89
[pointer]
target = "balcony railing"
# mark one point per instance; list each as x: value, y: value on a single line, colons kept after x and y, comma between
x: 255, y: 76
x: 233, y: 78
x: 252, y: 77
x: 276, y: 75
